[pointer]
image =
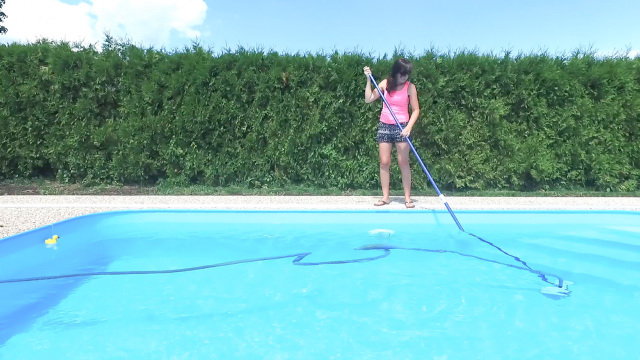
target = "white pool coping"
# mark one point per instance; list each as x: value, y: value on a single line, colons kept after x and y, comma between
x: 20, y: 213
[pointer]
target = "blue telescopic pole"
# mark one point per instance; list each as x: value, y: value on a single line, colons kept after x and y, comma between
x: 424, y: 168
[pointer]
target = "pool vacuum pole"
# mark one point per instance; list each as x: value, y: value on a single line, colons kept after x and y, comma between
x: 424, y: 168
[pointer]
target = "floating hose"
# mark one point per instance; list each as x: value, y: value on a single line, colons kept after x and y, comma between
x: 298, y: 260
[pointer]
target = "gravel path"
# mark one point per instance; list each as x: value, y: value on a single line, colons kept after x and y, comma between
x: 24, y: 212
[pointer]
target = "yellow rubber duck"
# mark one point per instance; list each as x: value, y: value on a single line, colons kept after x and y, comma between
x: 52, y: 240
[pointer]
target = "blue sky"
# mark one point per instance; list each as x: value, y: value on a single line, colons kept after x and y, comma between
x: 372, y: 26
x: 488, y: 25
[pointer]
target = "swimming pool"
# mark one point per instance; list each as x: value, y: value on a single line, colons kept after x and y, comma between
x: 324, y: 285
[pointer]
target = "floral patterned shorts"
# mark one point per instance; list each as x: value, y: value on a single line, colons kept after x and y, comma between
x: 388, y: 133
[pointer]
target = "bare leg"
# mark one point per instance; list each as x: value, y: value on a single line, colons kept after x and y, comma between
x: 385, y: 164
x: 403, y: 161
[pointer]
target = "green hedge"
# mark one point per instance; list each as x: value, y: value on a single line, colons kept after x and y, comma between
x: 262, y: 119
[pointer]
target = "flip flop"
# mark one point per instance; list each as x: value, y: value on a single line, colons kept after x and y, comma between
x: 382, y: 203
x: 409, y: 204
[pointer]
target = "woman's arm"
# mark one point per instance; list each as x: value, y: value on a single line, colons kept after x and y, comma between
x: 371, y: 95
x: 415, y: 110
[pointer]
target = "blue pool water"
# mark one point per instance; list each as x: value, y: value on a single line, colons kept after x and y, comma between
x: 432, y: 293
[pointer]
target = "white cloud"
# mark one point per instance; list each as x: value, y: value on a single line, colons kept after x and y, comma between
x: 149, y: 22
x: 28, y: 20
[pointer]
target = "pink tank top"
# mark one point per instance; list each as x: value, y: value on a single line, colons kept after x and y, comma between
x: 399, y: 102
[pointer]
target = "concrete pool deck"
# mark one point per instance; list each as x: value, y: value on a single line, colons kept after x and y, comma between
x: 20, y: 213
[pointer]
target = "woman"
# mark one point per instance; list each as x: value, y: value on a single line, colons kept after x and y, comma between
x: 400, y: 93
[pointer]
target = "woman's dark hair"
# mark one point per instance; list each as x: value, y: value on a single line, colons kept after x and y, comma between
x: 401, y: 66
